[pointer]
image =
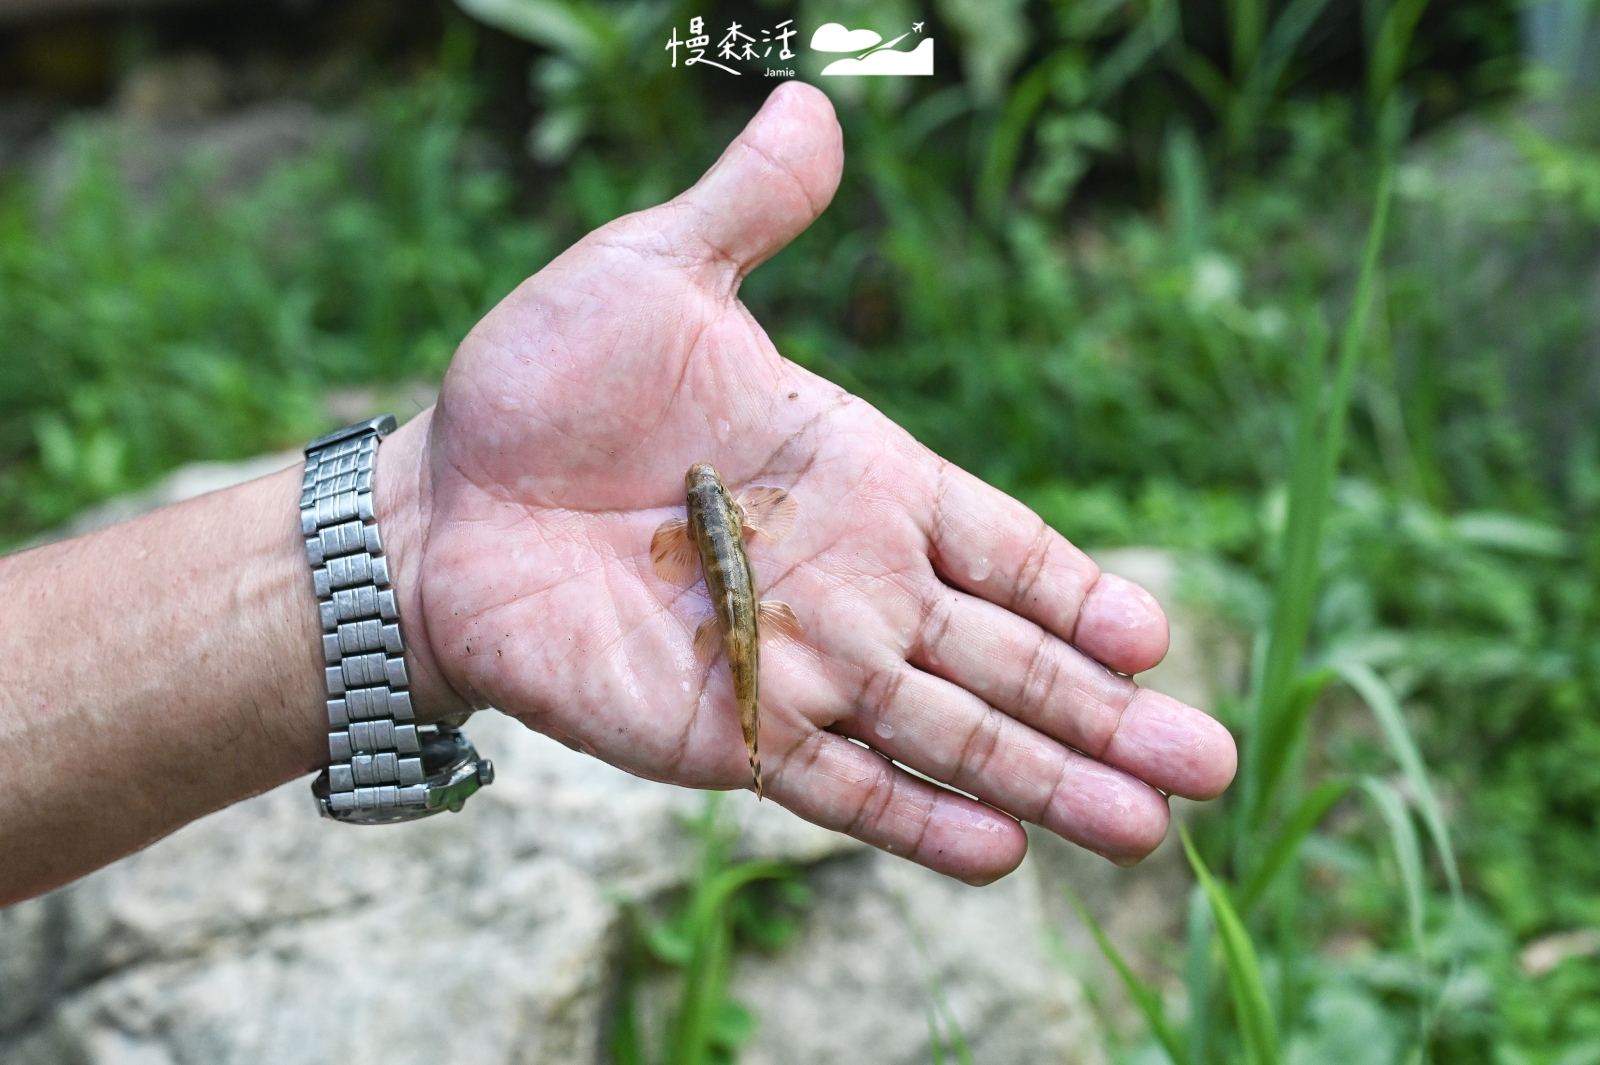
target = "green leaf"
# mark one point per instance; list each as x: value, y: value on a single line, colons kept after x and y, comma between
x: 1513, y: 535
x: 669, y: 941
x: 1307, y: 814
x: 733, y: 1026
x: 1257, y: 1029
x: 1380, y: 699
x: 1407, y: 854
x: 1143, y: 995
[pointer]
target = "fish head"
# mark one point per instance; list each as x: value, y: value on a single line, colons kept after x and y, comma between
x: 707, y: 493
x: 704, y: 481
x: 701, y: 475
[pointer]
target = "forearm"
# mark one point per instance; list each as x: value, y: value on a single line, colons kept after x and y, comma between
x: 151, y: 673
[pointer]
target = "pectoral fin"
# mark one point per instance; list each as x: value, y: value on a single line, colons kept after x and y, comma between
x: 672, y: 554
x: 708, y: 640
x: 776, y: 618
x: 767, y: 510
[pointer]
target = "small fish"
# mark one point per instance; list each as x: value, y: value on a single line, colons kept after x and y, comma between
x: 713, y: 535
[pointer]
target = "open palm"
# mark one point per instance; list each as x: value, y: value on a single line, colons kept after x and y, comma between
x: 945, y: 627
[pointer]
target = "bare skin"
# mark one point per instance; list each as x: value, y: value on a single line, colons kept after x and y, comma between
x: 154, y: 672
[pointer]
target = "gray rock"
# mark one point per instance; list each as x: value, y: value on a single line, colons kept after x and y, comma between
x: 263, y: 934
x: 223, y: 154
x: 883, y: 939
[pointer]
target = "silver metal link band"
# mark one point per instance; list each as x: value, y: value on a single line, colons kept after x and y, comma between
x: 377, y: 771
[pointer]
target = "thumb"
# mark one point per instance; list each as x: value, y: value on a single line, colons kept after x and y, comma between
x: 772, y: 182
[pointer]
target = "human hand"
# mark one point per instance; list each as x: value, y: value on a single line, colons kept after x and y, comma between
x: 945, y: 626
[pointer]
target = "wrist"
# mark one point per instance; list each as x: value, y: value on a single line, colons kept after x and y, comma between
x: 402, y: 503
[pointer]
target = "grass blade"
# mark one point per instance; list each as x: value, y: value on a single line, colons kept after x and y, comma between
x: 1318, y: 445
x: 1208, y: 82
x: 1267, y: 71
x: 1407, y: 854
x: 1186, y: 188
x: 1380, y: 699
x: 1143, y: 995
x: 1278, y: 653
x: 1248, y: 21
x: 935, y: 1039
x: 1257, y: 1029
x: 1197, y: 973
x: 1390, y: 49
x: 1005, y: 143
x: 1134, y: 50
x: 1281, y: 730
x: 944, y: 1029
x: 1306, y: 816
x: 1355, y: 330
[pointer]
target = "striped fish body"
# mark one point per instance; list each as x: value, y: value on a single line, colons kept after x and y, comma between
x: 716, y: 529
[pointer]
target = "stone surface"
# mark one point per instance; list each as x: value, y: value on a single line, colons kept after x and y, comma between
x: 223, y: 153
x: 883, y: 938
x: 263, y: 934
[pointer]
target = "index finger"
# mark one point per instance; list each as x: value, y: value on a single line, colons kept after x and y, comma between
x: 989, y: 544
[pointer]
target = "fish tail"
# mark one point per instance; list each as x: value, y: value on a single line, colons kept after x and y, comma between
x: 755, y: 770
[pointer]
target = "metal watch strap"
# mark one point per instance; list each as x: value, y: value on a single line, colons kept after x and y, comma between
x: 384, y: 767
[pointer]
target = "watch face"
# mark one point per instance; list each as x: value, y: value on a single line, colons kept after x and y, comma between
x: 455, y: 773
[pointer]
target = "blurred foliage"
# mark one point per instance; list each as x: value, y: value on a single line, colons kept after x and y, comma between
x: 1087, y: 260
x: 142, y: 334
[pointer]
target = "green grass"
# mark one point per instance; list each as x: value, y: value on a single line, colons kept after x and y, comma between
x: 726, y: 902
x: 1110, y: 283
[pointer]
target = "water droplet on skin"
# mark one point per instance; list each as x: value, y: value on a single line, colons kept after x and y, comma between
x: 723, y: 429
x: 884, y: 730
x: 684, y: 685
x: 980, y: 570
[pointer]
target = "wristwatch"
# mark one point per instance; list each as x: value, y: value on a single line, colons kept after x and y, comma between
x: 384, y: 767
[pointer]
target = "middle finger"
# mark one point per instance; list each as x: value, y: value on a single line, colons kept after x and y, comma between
x: 952, y: 736
x: 1046, y: 683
